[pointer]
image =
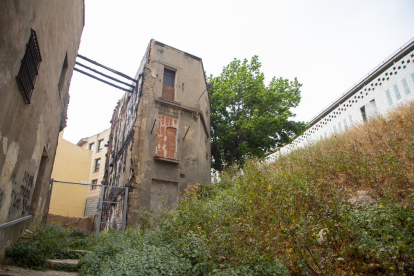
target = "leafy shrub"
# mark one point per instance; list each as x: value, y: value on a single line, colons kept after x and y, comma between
x: 157, y: 252
x: 52, y: 242
x: 78, y: 233
x: 382, y: 234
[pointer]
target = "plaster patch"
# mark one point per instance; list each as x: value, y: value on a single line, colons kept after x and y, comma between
x: 5, y: 78
x: 38, y: 151
x: 5, y: 181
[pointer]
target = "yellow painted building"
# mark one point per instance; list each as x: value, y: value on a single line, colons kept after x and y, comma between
x: 72, y: 164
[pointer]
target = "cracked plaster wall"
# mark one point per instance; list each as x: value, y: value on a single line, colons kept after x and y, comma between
x: 29, y: 132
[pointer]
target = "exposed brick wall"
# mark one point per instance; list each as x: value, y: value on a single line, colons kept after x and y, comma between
x: 166, y: 137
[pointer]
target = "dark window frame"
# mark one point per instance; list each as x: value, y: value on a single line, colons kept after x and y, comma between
x: 364, y: 113
x: 97, y: 164
x: 100, y: 145
x: 168, y: 91
x: 95, y: 181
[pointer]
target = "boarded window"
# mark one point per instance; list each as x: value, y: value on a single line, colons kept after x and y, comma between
x: 168, y: 85
x: 164, y: 195
x: 166, y: 137
x: 171, y: 134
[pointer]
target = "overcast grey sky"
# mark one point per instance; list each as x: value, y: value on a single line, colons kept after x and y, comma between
x: 328, y: 45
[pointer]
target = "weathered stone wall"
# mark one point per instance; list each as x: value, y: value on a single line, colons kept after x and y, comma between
x: 159, y: 166
x: 119, y: 170
x: 87, y: 223
x: 29, y: 132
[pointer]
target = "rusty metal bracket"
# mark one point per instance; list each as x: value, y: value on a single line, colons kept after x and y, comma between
x: 186, y: 132
x: 99, y: 79
x: 153, y: 125
x: 133, y: 86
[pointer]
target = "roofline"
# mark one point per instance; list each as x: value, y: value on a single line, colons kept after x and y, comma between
x: 374, y: 73
x: 85, y: 138
x: 190, y: 55
x: 81, y: 140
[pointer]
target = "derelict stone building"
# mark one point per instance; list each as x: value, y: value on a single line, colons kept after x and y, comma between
x: 160, y: 135
x: 39, y: 41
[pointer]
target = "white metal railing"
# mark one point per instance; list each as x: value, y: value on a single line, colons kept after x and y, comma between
x: 16, y: 221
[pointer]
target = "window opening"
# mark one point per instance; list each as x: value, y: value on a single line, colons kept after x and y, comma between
x: 406, y: 88
x: 29, y: 68
x: 62, y: 77
x: 397, y: 92
x: 168, y: 85
x: 95, y: 181
x: 34, y: 205
x: 91, y: 146
x: 388, y: 97
x: 100, y: 145
x: 371, y: 109
x: 97, y: 164
x: 363, y: 113
x: 345, y: 124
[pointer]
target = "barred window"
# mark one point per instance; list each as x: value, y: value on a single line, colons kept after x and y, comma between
x: 29, y: 68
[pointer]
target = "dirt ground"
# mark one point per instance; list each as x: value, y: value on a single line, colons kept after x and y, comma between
x: 6, y: 270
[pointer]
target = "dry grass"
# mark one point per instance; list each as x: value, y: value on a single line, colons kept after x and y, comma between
x: 276, y: 212
x: 264, y: 219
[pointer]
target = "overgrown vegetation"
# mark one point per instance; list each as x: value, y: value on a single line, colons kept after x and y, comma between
x: 267, y: 220
x: 52, y: 242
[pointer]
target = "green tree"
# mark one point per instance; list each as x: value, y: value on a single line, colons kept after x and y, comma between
x: 249, y: 118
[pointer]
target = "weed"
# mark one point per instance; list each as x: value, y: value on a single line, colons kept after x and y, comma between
x: 268, y: 220
x: 52, y: 242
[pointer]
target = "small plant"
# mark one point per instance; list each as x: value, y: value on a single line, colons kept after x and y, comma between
x: 52, y: 242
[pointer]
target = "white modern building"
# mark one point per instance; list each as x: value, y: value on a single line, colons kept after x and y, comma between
x: 387, y: 86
